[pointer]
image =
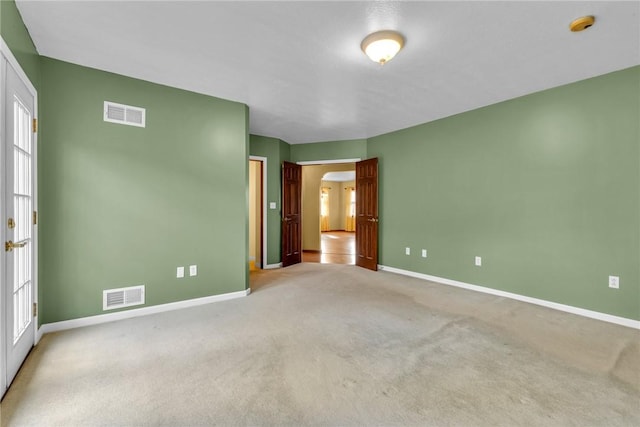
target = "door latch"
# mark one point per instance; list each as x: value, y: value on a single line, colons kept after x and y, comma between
x: 9, y: 246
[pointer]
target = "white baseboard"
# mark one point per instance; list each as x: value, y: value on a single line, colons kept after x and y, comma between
x: 272, y: 266
x: 144, y: 311
x: 630, y: 323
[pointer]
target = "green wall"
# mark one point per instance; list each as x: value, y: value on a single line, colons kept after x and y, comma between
x: 285, y: 151
x: 276, y: 151
x: 15, y: 34
x: 545, y: 188
x: 331, y: 150
x: 121, y: 205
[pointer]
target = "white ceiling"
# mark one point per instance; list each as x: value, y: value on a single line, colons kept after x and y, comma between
x: 343, y: 176
x: 299, y: 67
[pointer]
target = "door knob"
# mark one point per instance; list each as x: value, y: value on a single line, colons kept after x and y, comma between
x: 9, y: 246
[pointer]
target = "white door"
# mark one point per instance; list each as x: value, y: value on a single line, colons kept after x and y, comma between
x: 18, y: 182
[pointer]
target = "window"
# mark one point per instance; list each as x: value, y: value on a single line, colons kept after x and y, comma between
x: 324, y: 202
x: 350, y: 208
x: 324, y: 209
x: 352, y: 205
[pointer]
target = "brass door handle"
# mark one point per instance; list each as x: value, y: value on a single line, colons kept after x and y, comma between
x: 286, y: 219
x: 9, y: 246
x: 372, y: 219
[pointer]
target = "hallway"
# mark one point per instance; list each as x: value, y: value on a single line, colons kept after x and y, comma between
x: 337, y: 247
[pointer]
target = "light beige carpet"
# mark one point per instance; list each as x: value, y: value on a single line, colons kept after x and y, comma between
x: 336, y: 345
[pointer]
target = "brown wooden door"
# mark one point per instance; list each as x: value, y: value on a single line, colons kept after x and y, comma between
x: 367, y: 214
x: 291, y: 214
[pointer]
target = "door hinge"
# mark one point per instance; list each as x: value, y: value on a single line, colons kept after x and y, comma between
x: 35, y: 125
x: 35, y: 217
x: 35, y: 309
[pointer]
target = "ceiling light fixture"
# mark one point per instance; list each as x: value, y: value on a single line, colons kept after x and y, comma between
x: 381, y: 46
x: 582, y: 23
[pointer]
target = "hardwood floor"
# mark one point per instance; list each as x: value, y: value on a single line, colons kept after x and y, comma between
x: 338, y: 247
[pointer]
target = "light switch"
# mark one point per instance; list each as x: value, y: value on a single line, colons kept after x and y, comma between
x: 407, y: 251
x: 272, y: 205
x: 193, y: 270
x: 478, y: 261
x: 424, y: 253
x: 180, y: 272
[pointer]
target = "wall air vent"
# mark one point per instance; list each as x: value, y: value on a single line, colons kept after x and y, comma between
x: 122, y: 297
x: 124, y: 114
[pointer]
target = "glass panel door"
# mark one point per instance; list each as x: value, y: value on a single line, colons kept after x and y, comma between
x: 18, y: 158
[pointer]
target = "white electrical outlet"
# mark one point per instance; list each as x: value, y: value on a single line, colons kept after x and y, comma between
x: 614, y: 282
x: 478, y: 261
x: 424, y: 253
x: 180, y: 272
x: 193, y: 270
x: 407, y: 251
x: 272, y: 205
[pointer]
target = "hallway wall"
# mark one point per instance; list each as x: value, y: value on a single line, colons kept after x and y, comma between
x: 276, y: 151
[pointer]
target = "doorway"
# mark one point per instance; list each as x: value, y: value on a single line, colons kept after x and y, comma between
x: 18, y: 278
x: 301, y: 197
x: 257, y: 213
x: 328, y: 214
x: 337, y: 219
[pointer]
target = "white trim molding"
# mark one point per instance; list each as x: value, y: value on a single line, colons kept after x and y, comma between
x: 327, y: 162
x: 144, y: 311
x: 623, y: 321
x: 272, y: 266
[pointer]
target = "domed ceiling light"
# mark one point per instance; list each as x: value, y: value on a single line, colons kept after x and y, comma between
x: 582, y: 23
x: 381, y: 46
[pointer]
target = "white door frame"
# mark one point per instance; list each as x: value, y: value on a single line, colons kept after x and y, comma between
x: 263, y: 254
x: 6, y: 54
